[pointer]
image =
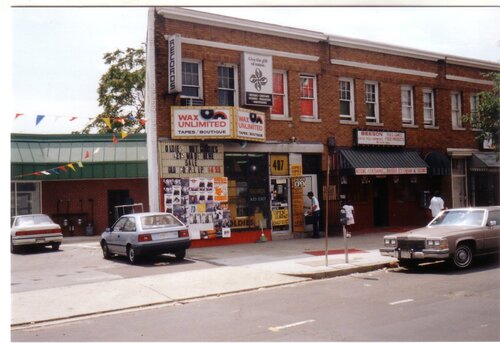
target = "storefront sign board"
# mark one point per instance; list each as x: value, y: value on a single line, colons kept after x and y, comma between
x: 174, y: 64
x: 191, y: 160
x: 380, y: 138
x: 202, y: 122
x: 250, y: 125
x: 279, y: 165
x: 257, y: 74
x: 389, y: 171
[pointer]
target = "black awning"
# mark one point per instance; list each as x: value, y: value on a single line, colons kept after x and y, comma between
x: 380, y: 162
x: 484, y: 161
x: 439, y: 163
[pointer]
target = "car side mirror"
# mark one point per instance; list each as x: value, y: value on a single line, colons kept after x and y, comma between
x: 492, y: 223
x: 108, y: 229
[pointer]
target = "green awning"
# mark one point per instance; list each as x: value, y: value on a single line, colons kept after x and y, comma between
x: 382, y: 162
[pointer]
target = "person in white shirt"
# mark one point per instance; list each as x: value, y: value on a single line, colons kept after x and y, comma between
x: 437, y: 204
x: 349, y: 211
x: 315, y: 212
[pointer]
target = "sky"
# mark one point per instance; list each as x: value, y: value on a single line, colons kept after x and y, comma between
x: 57, y: 53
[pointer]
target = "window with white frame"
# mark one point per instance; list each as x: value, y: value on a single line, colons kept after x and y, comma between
x: 371, y: 102
x: 280, y: 95
x: 428, y: 102
x: 191, y: 79
x: 346, y: 97
x: 474, y: 110
x: 227, y: 85
x: 456, y: 110
x: 308, y: 97
x: 407, y: 105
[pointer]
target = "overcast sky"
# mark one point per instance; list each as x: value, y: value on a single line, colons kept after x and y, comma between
x: 57, y: 52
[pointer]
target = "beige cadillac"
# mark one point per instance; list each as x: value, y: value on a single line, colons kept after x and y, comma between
x: 456, y: 235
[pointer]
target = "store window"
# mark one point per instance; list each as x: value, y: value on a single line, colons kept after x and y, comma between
x: 474, y: 111
x: 407, y: 105
x: 25, y: 198
x: 308, y: 100
x: 248, y: 184
x: 371, y: 102
x: 227, y: 85
x: 346, y: 96
x: 280, y: 95
x: 191, y: 79
x: 456, y: 110
x: 429, y: 118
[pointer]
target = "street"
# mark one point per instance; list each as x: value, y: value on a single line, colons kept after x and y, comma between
x: 431, y: 303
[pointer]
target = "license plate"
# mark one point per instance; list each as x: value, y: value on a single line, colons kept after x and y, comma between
x: 39, y: 240
x: 405, y: 254
x: 165, y: 235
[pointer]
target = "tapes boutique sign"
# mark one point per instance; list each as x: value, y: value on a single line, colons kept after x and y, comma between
x: 257, y: 74
x: 206, y: 122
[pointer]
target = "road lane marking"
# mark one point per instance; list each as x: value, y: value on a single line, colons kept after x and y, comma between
x: 401, y: 302
x: 278, y: 328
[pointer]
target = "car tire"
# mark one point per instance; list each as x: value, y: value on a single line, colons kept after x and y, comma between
x: 131, y: 255
x: 462, y: 257
x: 55, y: 246
x: 180, y: 254
x: 13, y: 249
x: 105, y: 250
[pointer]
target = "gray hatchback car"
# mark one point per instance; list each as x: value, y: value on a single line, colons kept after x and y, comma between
x: 456, y: 235
x: 146, y: 233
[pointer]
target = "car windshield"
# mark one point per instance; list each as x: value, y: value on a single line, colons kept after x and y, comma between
x: 159, y: 220
x: 33, y: 220
x: 459, y: 218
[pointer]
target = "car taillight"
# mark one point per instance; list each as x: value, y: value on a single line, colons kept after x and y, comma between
x: 38, y: 232
x: 183, y: 233
x: 145, y: 237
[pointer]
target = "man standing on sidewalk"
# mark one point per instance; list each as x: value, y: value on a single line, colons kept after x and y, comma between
x: 315, y: 213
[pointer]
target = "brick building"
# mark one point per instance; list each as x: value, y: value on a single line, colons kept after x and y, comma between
x: 102, y: 175
x: 269, y: 113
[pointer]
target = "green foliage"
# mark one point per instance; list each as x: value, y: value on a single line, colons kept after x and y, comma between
x: 487, y: 118
x: 121, y: 92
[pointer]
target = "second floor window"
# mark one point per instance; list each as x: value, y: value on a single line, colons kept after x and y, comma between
x: 407, y: 105
x: 456, y: 110
x: 346, y: 97
x: 308, y: 101
x: 280, y: 98
x: 429, y: 118
x: 191, y: 79
x: 371, y: 101
x: 474, y: 110
x: 227, y: 85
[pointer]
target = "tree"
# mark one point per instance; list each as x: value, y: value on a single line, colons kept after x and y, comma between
x: 121, y: 93
x: 487, y: 118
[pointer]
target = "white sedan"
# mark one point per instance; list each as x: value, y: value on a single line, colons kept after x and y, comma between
x: 145, y: 233
x: 33, y: 230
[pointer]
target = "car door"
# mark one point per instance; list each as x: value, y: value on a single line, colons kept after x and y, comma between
x: 128, y: 234
x: 114, y: 243
x: 492, y: 232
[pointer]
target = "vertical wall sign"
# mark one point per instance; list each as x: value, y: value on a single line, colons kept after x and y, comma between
x: 250, y: 125
x: 174, y: 64
x: 257, y: 74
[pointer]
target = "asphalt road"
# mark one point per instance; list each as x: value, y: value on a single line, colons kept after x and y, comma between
x: 433, y: 303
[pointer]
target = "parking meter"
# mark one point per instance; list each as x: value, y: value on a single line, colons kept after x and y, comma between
x: 343, y: 217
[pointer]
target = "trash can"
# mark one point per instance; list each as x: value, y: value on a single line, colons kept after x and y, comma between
x: 89, y: 230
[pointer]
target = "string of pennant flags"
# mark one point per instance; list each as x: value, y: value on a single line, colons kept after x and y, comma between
x: 107, y: 121
x: 72, y: 166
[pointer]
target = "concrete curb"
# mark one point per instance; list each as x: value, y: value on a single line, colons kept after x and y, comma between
x: 342, y: 272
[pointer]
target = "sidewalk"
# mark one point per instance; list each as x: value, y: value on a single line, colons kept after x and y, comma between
x: 241, y: 267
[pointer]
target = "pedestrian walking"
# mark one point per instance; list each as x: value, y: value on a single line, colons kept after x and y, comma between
x: 349, y: 211
x: 437, y: 204
x: 315, y: 212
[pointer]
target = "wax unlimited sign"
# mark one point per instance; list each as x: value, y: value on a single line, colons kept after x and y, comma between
x: 191, y: 160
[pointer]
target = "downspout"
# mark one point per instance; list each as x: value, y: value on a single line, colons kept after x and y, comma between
x: 150, y: 114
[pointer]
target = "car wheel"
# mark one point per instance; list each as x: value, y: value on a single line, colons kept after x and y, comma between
x: 55, y: 246
x: 13, y: 249
x: 105, y: 250
x: 132, y: 258
x: 180, y: 254
x: 462, y: 258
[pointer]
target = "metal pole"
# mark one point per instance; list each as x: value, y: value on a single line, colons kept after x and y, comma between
x: 327, y: 209
x: 346, y: 248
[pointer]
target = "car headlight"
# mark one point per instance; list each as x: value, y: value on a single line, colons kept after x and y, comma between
x: 437, y: 243
x: 390, y: 242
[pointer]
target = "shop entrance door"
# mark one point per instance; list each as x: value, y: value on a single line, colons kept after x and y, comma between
x: 280, y: 205
x: 311, y: 186
x: 380, y: 202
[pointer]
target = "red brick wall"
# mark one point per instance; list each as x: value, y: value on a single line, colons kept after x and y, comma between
x: 75, y: 195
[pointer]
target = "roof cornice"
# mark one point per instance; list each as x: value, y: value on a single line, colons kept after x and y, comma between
x: 239, y: 24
